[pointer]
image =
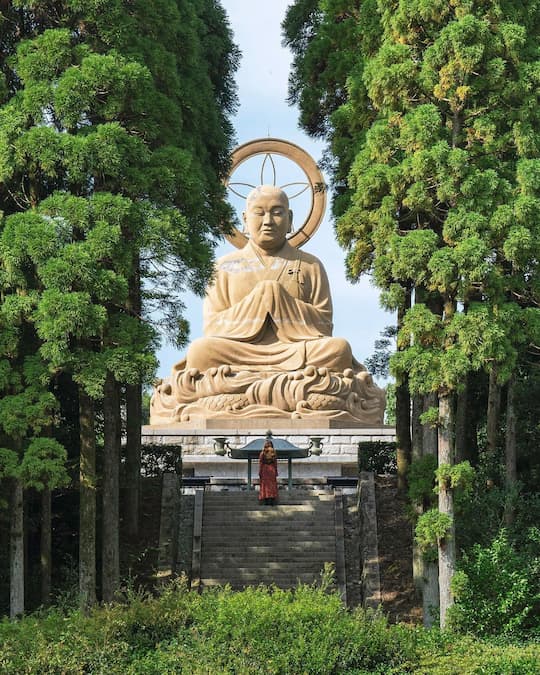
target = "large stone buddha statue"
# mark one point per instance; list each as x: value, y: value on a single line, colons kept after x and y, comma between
x: 268, y: 349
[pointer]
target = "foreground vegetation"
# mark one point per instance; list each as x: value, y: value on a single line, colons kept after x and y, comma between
x: 254, y: 631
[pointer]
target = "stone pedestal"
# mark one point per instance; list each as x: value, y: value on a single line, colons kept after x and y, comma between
x: 339, y: 454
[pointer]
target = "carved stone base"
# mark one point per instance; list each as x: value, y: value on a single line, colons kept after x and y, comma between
x: 223, y: 393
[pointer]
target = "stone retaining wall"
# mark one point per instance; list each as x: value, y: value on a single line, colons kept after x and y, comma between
x: 339, y: 454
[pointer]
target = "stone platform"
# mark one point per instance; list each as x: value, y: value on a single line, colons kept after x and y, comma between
x: 339, y: 454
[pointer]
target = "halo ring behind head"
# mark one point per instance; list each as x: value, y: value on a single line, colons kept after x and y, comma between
x: 276, y: 146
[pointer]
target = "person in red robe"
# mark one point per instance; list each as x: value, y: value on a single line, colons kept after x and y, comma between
x: 268, y: 473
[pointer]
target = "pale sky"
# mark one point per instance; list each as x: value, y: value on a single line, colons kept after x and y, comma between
x: 262, y: 90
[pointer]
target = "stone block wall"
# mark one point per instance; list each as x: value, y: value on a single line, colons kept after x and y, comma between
x: 339, y: 453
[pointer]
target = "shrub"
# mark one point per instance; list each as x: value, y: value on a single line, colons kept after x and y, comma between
x: 377, y: 456
x: 263, y: 631
x: 497, y: 588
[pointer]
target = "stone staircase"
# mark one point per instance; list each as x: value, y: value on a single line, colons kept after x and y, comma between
x: 244, y: 543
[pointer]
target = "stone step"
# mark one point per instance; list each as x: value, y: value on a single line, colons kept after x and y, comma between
x: 281, y: 580
x: 268, y: 516
x: 306, y: 563
x: 247, y: 543
x: 268, y: 525
x: 213, y: 550
x: 268, y: 528
x: 284, y: 534
x: 258, y: 559
x: 255, y: 517
x: 237, y: 584
x: 308, y: 547
x: 228, y: 568
x: 275, y: 526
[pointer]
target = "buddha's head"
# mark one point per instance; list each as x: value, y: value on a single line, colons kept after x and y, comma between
x: 267, y: 217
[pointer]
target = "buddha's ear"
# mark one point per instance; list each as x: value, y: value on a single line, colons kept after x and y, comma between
x: 290, y: 221
x: 244, y: 220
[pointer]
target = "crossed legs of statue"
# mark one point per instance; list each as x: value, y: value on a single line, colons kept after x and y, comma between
x: 328, y: 352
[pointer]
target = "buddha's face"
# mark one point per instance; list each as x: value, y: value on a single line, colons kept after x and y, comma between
x: 267, y: 217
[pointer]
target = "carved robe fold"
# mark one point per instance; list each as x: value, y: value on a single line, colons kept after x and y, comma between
x: 262, y: 312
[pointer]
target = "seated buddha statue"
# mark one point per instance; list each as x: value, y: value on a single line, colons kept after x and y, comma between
x: 268, y: 348
x: 269, y: 306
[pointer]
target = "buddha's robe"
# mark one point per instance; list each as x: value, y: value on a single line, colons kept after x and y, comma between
x: 269, y: 313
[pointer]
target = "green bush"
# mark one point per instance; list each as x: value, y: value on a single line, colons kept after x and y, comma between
x: 276, y: 631
x: 259, y: 631
x: 497, y: 588
x: 377, y: 456
x: 445, y: 654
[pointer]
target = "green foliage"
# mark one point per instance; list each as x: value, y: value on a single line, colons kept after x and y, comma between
x: 390, y: 407
x: 430, y: 417
x: 431, y: 527
x: 9, y: 463
x: 497, y: 588
x: 455, y: 476
x: 114, y: 140
x: 158, y: 459
x: 445, y: 654
x: 377, y: 456
x: 43, y: 464
x: 258, y: 630
x: 434, y: 140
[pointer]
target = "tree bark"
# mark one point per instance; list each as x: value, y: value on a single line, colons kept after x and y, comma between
x: 425, y: 572
x: 416, y: 427
x: 429, y: 433
x: 461, y: 451
x: 430, y: 594
x: 133, y: 458
x: 133, y: 420
x: 46, y: 546
x: 403, y: 416
x: 493, y: 413
x: 16, y: 551
x: 87, y: 508
x: 403, y: 434
x: 510, y: 451
x: 111, y: 491
x: 446, y: 545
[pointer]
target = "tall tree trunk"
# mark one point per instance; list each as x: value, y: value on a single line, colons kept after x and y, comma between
x: 510, y: 451
x: 403, y: 434
x: 427, y: 571
x: 416, y: 426
x: 111, y: 491
x: 133, y: 458
x: 461, y: 451
x: 133, y: 421
x: 87, y: 508
x: 16, y: 551
x: 430, y: 594
x: 46, y: 546
x: 493, y: 414
x: 403, y: 416
x: 430, y: 435
x: 416, y: 436
x: 446, y: 545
